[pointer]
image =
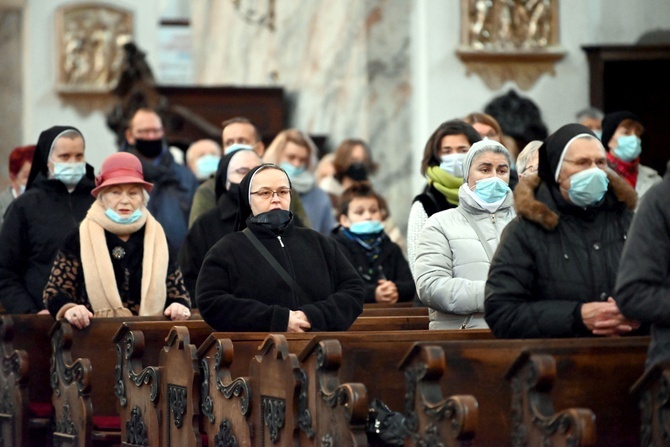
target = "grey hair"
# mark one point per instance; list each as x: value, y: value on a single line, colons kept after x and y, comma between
x: 526, y: 154
x: 589, y: 112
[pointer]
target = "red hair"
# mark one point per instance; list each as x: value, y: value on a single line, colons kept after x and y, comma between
x: 19, y: 156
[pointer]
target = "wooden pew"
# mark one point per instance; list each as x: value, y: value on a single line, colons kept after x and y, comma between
x: 390, y: 323
x: 83, y: 376
x: 591, y: 373
x: 25, y: 406
x: 394, y: 311
x: 652, y: 393
x: 157, y: 374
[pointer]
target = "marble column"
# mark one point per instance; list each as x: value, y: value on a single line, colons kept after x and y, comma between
x: 11, y: 87
x: 343, y: 64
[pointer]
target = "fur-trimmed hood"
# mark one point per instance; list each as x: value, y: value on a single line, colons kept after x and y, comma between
x: 528, y: 206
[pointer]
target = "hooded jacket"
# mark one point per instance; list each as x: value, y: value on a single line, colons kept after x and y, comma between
x: 555, y: 256
x: 238, y: 290
x: 35, y: 226
x: 452, y: 265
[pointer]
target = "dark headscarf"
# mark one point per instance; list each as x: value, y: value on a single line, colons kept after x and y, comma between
x: 551, y: 151
x: 222, y: 174
x: 245, y: 185
x: 611, y: 121
x: 44, y: 144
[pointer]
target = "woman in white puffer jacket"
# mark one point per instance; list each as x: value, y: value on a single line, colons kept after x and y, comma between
x: 452, y: 260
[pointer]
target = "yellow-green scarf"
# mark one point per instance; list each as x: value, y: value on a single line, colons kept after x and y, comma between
x: 444, y: 182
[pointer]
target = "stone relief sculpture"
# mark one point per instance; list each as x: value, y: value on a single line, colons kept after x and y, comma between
x: 503, y: 40
x: 90, y: 40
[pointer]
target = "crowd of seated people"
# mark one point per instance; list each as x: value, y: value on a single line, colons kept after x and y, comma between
x: 275, y: 240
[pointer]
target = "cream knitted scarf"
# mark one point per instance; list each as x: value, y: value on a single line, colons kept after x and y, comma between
x: 101, y: 287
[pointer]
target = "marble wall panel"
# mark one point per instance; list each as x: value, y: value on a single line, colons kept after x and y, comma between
x: 11, y: 106
x: 344, y: 66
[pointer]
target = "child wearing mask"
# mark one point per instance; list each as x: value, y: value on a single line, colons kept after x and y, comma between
x: 378, y: 260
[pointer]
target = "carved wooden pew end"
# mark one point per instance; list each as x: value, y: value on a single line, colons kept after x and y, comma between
x: 652, y: 391
x: 534, y: 421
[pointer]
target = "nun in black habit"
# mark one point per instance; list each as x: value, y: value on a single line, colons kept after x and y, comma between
x: 57, y: 197
x: 239, y: 290
x: 217, y: 222
x: 554, y: 272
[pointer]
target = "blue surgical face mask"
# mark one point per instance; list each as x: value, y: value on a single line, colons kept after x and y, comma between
x: 366, y: 227
x: 69, y: 173
x: 599, y: 133
x: 453, y: 164
x: 237, y: 147
x: 588, y: 187
x: 491, y: 189
x: 115, y: 217
x: 629, y: 148
x: 206, y: 165
x: 22, y: 189
x: 291, y: 170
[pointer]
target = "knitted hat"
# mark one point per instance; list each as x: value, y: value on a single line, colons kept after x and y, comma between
x: 612, y: 121
x: 120, y: 168
x: 476, y: 149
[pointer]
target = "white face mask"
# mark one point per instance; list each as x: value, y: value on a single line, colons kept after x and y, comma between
x: 453, y: 164
x: 69, y: 173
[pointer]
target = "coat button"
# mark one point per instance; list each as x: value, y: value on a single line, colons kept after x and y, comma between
x: 596, y: 246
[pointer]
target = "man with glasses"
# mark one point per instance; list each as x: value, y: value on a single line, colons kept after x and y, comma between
x: 174, y: 184
x: 554, y: 272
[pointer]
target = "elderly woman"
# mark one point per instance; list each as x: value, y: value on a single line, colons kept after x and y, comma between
x: 442, y: 165
x: 220, y: 221
x: 296, y: 153
x: 456, y: 245
x: 554, y: 272
x: 118, y: 263
x: 274, y: 276
x: 58, y: 194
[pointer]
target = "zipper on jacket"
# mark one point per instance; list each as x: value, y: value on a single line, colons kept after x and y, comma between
x: 280, y: 241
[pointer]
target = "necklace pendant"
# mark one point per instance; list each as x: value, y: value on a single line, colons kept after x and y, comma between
x: 118, y: 253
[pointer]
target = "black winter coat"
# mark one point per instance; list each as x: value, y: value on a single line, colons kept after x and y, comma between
x: 206, y: 231
x: 643, y: 283
x: 553, y: 257
x: 35, y: 227
x: 237, y: 290
x: 391, y: 261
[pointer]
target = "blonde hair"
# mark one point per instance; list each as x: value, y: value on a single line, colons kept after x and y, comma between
x: 274, y: 152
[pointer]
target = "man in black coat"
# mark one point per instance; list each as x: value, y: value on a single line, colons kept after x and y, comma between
x: 554, y: 272
x: 643, y: 283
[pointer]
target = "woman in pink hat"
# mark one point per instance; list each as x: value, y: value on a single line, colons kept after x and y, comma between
x: 118, y: 263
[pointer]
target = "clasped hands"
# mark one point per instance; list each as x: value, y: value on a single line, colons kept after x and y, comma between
x: 605, y: 318
x: 386, y: 291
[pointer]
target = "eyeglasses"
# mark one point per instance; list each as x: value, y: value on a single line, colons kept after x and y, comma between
x: 267, y: 194
x: 587, y: 162
x: 242, y: 171
x: 148, y: 132
x: 531, y: 169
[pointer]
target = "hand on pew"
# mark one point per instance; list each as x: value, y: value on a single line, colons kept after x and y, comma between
x: 177, y: 311
x: 605, y: 318
x: 298, y: 322
x: 78, y: 316
x: 43, y: 312
x: 386, y: 292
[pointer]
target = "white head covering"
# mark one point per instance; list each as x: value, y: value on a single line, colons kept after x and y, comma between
x: 479, y: 147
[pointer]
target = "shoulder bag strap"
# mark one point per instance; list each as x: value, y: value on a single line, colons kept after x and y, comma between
x: 482, y: 239
x: 277, y: 266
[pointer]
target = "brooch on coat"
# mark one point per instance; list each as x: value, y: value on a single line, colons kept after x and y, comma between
x: 118, y: 253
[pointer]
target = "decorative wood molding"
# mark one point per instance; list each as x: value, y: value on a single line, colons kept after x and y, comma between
x: 509, y: 40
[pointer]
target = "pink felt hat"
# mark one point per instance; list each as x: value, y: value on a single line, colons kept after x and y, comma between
x: 120, y: 168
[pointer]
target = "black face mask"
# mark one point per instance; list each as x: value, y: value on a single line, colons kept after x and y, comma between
x: 149, y: 148
x: 358, y: 172
x: 276, y: 220
x: 233, y: 192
